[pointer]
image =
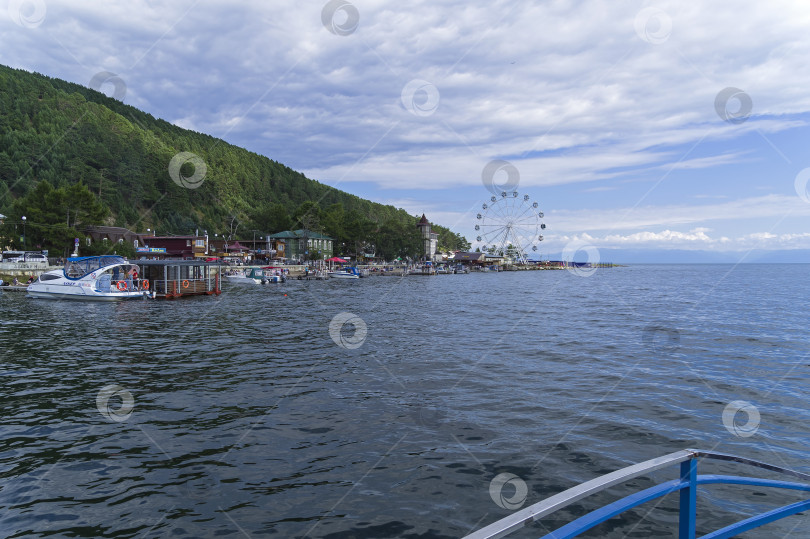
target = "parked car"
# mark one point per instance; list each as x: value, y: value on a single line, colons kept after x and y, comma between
x: 25, y: 257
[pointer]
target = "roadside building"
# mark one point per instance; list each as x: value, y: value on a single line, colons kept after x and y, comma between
x: 174, y: 247
x: 494, y: 260
x: 302, y: 245
x: 265, y: 249
x: 231, y: 250
x: 469, y: 258
x: 113, y: 234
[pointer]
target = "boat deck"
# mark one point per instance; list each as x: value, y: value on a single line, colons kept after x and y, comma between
x: 171, y: 279
x: 12, y: 288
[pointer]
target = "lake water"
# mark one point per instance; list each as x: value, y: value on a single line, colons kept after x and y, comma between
x: 239, y: 415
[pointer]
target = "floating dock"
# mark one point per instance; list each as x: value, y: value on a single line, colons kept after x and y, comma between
x: 170, y: 279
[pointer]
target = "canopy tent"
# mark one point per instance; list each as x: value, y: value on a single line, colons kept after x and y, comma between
x: 336, y: 259
x: 236, y: 246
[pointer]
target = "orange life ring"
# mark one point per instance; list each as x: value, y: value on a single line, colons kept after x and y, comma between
x: 145, y: 284
x: 121, y: 286
x: 185, y: 284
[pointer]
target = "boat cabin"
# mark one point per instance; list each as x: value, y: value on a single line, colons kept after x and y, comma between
x: 177, y: 278
x: 111, y: 272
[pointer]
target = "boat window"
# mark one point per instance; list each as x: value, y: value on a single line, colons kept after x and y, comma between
x: 49, y: 277
x: 76, y: 268
x: 104, y: 283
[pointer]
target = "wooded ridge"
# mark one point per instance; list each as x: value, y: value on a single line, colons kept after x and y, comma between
x: 72, y: 156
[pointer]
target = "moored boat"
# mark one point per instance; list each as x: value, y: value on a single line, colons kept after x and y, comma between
x: 273, y: 274
x: 256, y: 276
x: 427, y: 269
x: 93, y: 278
x: 345, y: 273
x: 242, y: 277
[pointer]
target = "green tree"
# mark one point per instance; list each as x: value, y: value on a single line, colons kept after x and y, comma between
x: 124, y: 248
x: 399, y: 240
x: 277, y: 219
x: 307, y: 216
x: 333, y: 221
x: 54, y: 217
x: 358, y: 232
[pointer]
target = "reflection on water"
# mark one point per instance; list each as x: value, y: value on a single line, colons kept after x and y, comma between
x: 249, y: 416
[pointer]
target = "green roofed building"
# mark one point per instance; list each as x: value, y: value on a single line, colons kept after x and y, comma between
x: 303, y: 245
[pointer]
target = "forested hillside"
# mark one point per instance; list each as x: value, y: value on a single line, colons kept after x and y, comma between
x: 59, y: 140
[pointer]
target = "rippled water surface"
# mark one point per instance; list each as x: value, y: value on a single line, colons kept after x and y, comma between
x: 247, y: 419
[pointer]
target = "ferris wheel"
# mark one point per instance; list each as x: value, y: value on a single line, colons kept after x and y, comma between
x: 510, y: 225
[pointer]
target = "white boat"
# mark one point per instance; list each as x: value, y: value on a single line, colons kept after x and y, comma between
x: 256, y: 276
x: 94, y: 278
x: 272, y: 274
x: 318, y: 275
x: 241, y: 278
x: 345, y: 273
x: 422, y: 270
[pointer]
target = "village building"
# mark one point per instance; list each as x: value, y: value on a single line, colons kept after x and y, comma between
x: 302, y: 245
x: 469, y: 258
x: 174, y: 247
x: 495, y: 260
x: 262, y: 249
x: 232, y: 250
x: 265, y: 249
x: 113, y: 234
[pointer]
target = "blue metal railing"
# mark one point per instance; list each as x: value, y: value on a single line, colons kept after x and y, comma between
x: 687, y: 485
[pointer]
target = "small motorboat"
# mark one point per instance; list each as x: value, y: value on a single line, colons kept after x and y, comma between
x: 309, y: 275
x: 93, y: 278
x: 427, y: 269
x: 276, y: 279
x: 257, y: 276
x: 273, y: 274
x: 345, y: 273
x: 240, y: 277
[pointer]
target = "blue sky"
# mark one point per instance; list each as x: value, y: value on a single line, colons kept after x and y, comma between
x: 615, y: 115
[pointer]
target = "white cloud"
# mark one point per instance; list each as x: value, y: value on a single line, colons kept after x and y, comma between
x: 514, y: 78
x: 772, y: 207
x: 568, y: 93
x: 695, y: 239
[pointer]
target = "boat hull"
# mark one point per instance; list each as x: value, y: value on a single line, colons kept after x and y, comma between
x: 241, y: 280
x: 343, y: 276
x: 59, y: 295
